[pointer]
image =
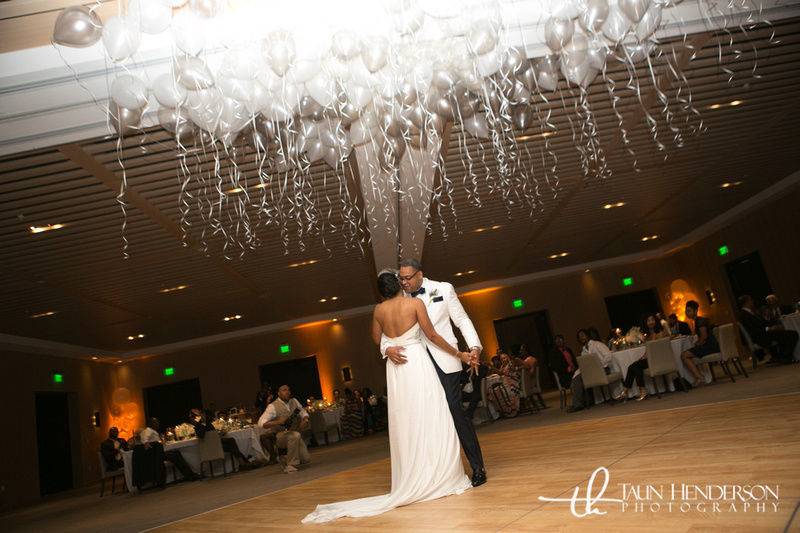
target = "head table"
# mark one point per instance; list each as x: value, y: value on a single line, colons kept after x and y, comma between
x: 792, y: 322
x: 246, y: 439
x: 625, y: 358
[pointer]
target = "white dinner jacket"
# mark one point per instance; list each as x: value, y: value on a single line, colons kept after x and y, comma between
x: 443, y: 305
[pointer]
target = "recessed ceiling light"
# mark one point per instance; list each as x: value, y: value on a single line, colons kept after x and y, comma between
x: 303, y: 263
x: 234, y: 190
x: 119, y: 361
x: 334, y: 298
x: 557, y: 255
x: 533, y: 136
x: 44, y: 314
x: 611, y: 206
x: 95, y: 358
x: 323, y: 300
x: 479, y: 230
x: 232, y: 317
x: 137, y: 336
x: 587, y: 270
x: 336, y: 320
x: 714, y: 106
x: 261, y: 186
x: 49, y: 227
x: 173, y: 289
x: 497, y: 226
x: 729, y: 184
x: 736, y: 102
x: 649, y: 238
x: 458, y: 274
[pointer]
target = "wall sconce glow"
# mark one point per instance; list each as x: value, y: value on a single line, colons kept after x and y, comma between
x: 49, y: 227
x: 58, y: 377
x: 723, y: 250
x: 173, y: 289
x: 627, y: 282
x: 169, y: 371
x: 518, y: 303
x: 44, y: 314
x: 303, y: 263
x: 285, y: 348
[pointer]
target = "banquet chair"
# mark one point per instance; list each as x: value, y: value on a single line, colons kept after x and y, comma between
x: 730, y: 348
x: 562, y: 392
x: 490, y: 410
x: 661, y: 362
x: 105, y: 474
x: 752, y: 346
x: 527, y: 391
x: 716, y: 358
x: 210, y: 450
x: 594, y: 375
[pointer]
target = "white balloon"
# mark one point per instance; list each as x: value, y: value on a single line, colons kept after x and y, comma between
x: 153, y: 16
x: 304, y: 69
x: 594, y: 14
x: 359, y: 133
x: 638, y: 52
x: 634, y: 9
x: 259, y: 98
x: 237, y: 88
x: 482, y: 37
x: 174, y: 3
x: 168, y: 91
x: 649, y: 23
x: 188, y: 32
x: 547, y: 80
x: 121, y: 38
x: 193, y: 73
x: 574, y: 72
x: 345, y: 45
x: 204, y: 108
x: 233, y: 115
x: 322, y: 88
x: 558, y: 32
x: 598, y: 53
x: 242, y: 62
x: 488, y: 64
x: 129, y: 92
x: 566, y: 9
x: 616, y: 25
x: 279, y: 51
x: 358, y: 95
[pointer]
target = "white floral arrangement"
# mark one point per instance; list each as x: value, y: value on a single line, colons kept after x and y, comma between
x: 184, y: 431
x: 634, y: 336
x: 220, y: 424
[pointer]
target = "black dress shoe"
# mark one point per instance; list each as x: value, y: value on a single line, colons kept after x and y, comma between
x: 478, y: 478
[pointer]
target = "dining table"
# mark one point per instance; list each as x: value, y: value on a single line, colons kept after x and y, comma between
x: 791, y: 322
x: 247, y: 439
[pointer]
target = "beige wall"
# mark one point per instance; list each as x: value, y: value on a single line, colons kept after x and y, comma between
x: 228, y: 372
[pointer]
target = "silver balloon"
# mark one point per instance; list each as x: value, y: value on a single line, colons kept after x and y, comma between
x: 514, y: 62
x: 575, y: 51
x: 558, y: 32
x: 168, y: 91
x: 392, y: 151
x: 125, y: 121
x: 521, y: 115
x: 169, y: 119
x: 443, y: 107
x: 482, y: 37
x: 443, y: 80
x: 574, y: 72
x: 528, y: 79
x: 638, y: 52
x: 185, y: 132
x: 634, y: 9
x: 407, y: 93
x: 649, y: 23
x: 309, y: 106
x: 616, y: 25
x: 375, y: 53
x: 392, y: 125
x: 477, y: 126
x: 437, y: 122
x: 593, y: 15
x: 193, y: 73
x: 598, y: 53
x: 77, y: 26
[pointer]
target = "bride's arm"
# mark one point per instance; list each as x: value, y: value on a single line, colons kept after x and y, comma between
x: 377, y: 330
x: 427, y: 328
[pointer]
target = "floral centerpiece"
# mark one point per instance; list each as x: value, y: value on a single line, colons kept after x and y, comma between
x: 184, y: 431
x: 634, y: 336
x: 318, y: 405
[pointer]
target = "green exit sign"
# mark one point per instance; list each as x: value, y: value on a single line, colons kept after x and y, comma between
x: 169, y: 371
x: 723, y: 250
x: 627, y: 282
x: 518, y: 303
x: 285, y: 348
x: 58, y: 377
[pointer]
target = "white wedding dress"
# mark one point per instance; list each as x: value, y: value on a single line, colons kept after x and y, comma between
x: 425, y: 453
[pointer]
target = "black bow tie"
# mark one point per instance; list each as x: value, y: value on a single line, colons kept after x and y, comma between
x: 417, y: 292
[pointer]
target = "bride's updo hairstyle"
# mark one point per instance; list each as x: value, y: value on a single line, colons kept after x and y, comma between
x: 388, y: 284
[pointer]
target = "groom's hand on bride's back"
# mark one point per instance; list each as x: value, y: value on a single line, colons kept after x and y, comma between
x: 395, y: 354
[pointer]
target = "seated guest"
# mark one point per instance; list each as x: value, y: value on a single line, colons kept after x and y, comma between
x: 706, y: 343
x: 504, y: 387
x: 653, y: 329
x: 773, y: 310
x: 285, y: 418
x: 562, y: 361
x: 264, y: 397
x: 780, y: 342
x: 337, y: 398
x: 528, y: 360
x: 150, y: 436
x: 676, y: 327
x: 588, y: 346
x: 111, y: 449
x: 229, y: 445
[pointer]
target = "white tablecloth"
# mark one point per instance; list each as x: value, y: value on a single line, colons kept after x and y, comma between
x: 327, y: 418
x: 792, y: 322
x: 625, y: 358
x: 246, y: 439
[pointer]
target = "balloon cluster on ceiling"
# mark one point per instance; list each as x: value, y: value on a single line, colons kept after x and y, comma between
x: 266, y: 89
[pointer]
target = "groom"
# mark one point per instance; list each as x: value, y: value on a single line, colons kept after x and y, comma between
x: 443, y: 305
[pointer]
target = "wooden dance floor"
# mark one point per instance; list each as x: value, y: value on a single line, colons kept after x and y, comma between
x: 746, y: 442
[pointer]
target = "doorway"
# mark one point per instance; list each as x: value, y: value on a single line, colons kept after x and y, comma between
x: 747, y: 276
x: 533, y: 330
x: 54, y: 442
x: 630, y: 309
x: 171, y: 403
x: 301, y: 375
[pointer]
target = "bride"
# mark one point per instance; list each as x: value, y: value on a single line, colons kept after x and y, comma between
x: 425, y: 453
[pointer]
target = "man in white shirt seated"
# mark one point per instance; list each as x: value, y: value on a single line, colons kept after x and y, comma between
x: 588, y: 346
x: 283, y: 421
x: 150, y: 435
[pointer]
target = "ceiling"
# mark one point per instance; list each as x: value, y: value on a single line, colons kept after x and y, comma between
x: 100, y: 297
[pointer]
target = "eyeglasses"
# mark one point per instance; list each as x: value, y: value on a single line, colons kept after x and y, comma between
x: 408, y: 278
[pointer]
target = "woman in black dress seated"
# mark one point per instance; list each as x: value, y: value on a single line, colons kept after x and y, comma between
x: 652, y: 331
x: 706, y: 342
